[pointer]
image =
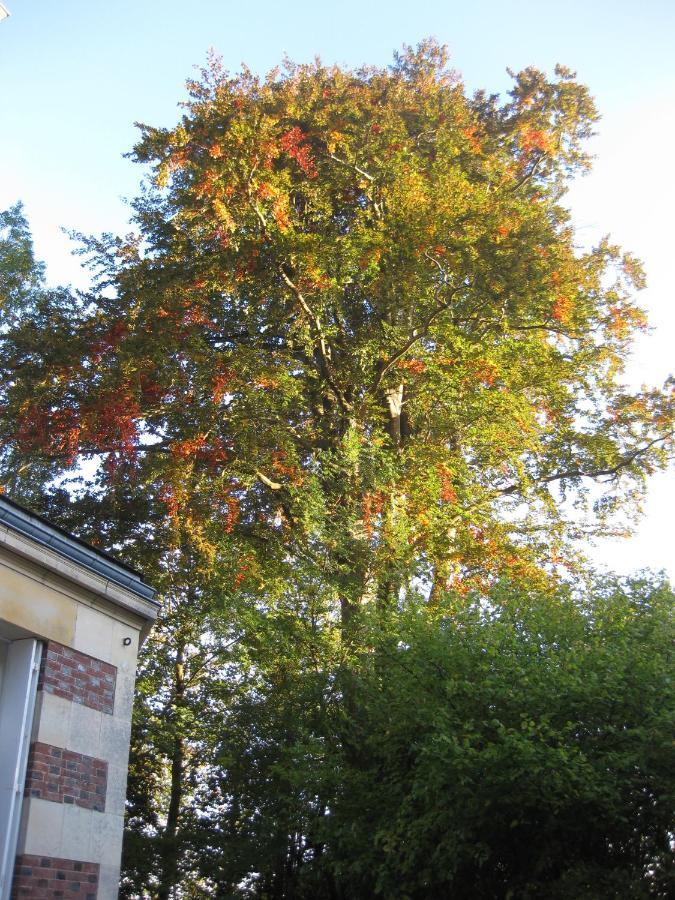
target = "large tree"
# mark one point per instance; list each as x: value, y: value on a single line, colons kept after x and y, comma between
x: 351, y: 353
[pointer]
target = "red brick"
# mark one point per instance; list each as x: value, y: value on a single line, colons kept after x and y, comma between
x: 70, y: 777
x: 78, y: 677
x: 44, y: 877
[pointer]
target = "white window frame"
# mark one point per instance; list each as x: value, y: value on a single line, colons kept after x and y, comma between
x: 17, y: 705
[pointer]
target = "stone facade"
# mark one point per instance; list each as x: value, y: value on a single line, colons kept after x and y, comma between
x: 86, y: 624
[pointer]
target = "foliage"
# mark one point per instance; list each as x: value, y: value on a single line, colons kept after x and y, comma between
x: 377, y: 271
x: 516, y: 749
x: 20, y: 273
x: 512, y: 746
x: 348, y: 366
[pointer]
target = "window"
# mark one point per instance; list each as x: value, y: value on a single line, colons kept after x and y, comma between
x: 19, y: 664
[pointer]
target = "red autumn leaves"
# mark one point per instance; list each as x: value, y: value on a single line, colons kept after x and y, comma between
x: 294, y: 143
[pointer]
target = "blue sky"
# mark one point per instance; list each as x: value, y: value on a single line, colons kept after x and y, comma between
x: 76, y: 75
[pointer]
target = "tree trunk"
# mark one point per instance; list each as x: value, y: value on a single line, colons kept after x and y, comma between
x: 169, y: 851
x: 395, y: 405
x: 440, y: 583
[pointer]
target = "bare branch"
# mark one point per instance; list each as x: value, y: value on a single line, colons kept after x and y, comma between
x: 611, y: 472
x: 272, y: 485
x: 343, y: 162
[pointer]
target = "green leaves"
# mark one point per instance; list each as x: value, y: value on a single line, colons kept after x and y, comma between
x: 511, y: 748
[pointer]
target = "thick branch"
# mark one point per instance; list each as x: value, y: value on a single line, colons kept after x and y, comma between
x: 315, y: 321
x: 611, y: 472
x: 272, y: 485
x: 417, y: 334
x: 343, y: 162
x: 529, y: 174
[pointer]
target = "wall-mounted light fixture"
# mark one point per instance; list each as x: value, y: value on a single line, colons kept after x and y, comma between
x: 126, y: 641
x: 4, y: 12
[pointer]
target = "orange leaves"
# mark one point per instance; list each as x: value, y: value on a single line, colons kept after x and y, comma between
x: 373, y: 504
x: 562, y: 310
x: 198, y: 449
x: 471, y: 136
x: 294, y: 143
x: 170, y: 500
x: 233, y: 513
x: 242, y: 574
x: 283, y: 469
x: 535, y: 140
x: 186, y: 313
x: 264, y: 191
x: 371, y: 258
x: 314, y: 279
x: 109, y: 341
x: 483, y: 371
x: 221, y: 380
x: 623, y: 319
x: 564, y: 303
x: 414, y: 366
x: 266, y: 383
x: 188, y: 448
x: 107, y: 425
x: 509, y: 225
x: 448, y: 493
x: 55, y: 432
x: 280, y: 214
x: 112, y: 422
x: 177, y: 159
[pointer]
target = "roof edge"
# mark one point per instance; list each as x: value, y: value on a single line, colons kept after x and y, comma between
x: 29, y: 524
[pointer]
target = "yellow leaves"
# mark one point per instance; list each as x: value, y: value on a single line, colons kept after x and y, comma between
x: 423, y: 518
x: 623, y: 319
x: 333, y: 140
x: 280, y: 214
x: 409, y: 196
x: 223, y: 214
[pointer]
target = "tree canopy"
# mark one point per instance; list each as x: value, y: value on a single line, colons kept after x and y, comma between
x: 377, y: 272
x: 350, y: 365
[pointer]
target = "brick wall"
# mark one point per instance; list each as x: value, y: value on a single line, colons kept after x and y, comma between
x: 44, y: 877
x: 66, y: 777
x: 77, y: 677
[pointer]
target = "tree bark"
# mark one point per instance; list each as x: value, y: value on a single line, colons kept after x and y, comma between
x: 169, y: 852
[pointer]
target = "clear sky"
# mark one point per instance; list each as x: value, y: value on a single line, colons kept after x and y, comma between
x: 76, y: 75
